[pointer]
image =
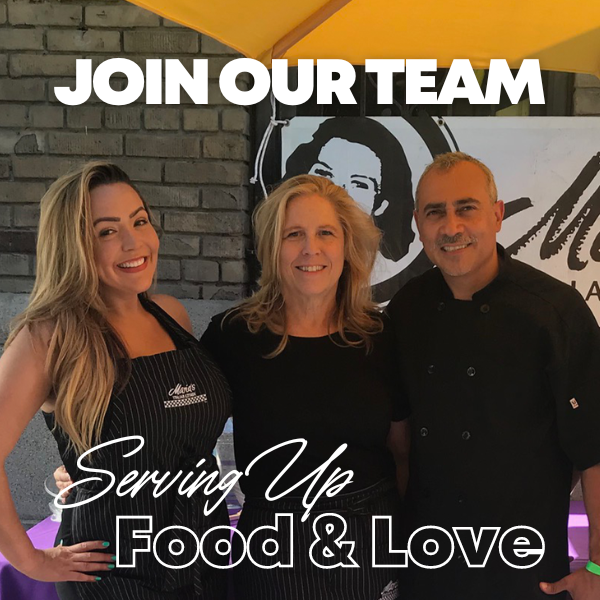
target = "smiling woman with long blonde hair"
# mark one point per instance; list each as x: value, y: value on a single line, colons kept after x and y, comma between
x: 102, y: 359
x: 65, y: 304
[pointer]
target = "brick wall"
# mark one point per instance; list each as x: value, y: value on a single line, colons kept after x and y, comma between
x: 586, y: 100
x: 190, y: 161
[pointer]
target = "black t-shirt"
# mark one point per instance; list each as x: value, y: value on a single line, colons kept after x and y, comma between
x: 505, y: 401
x: 317, y: 390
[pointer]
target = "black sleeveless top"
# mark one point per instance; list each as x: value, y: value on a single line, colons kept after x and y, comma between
x: 178, y: 401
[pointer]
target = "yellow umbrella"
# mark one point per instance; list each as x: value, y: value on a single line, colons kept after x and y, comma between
x: 564, y: 35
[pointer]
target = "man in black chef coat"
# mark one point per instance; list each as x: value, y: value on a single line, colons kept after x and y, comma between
x: 501, y: 365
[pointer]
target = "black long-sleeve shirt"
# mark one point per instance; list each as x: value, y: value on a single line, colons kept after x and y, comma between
x: 505, y: 398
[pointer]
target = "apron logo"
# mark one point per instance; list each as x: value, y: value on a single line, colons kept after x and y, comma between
x: 574, y: 403
x: 184, y: 395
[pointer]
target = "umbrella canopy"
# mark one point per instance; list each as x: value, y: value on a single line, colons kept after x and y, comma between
x: 564, y: 35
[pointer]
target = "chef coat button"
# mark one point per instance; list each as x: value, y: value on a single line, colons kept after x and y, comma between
x: 484, y: 308
x: 466, y: 435
x: 441, y: 306
x: 471, y: 372
x: 424, y: 431
x: 431, y: 369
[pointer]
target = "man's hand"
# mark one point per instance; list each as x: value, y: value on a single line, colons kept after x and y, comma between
x: 582, y: 585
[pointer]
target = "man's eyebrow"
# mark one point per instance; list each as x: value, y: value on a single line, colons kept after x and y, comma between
x: 442, y: 205
x: 117, y: 219
x: 466, y: 201
x: 434, y: 205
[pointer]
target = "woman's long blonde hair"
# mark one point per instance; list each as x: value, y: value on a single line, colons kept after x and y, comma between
x: 86, y: 358
x: 356, y: 313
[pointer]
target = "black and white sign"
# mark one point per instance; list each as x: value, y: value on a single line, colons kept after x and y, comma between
x: 547, y: 171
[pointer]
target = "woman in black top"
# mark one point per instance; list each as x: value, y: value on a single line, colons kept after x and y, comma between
x: 309, y: 358
x: 105, y: 362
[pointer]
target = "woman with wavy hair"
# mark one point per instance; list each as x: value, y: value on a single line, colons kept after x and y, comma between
x: 116, y: 369
x: 310, y: 363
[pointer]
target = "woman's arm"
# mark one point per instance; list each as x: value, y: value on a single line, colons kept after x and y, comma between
x: 24, y: 385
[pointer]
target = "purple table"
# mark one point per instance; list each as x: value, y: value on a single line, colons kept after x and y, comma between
x: 15, y: 586
x: 578, y: 535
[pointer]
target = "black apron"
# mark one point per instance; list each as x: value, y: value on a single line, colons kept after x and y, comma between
x: 307, y: 581
x: 178, y: 401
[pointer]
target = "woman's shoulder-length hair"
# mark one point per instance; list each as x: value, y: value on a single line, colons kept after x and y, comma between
x: 356, y: 317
